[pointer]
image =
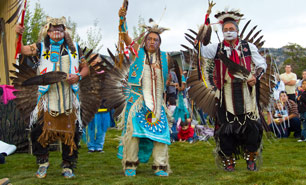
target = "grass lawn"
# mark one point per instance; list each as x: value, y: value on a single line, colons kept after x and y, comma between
x: 284, y: 162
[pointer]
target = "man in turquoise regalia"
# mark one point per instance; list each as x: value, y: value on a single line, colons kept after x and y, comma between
x: 146, y: 131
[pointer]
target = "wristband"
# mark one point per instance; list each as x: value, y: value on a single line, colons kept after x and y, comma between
x: 80, y: 76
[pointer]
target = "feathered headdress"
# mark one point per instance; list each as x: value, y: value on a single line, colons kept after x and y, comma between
x: 154, y: 28
x: 55, y: 22
x: 229, y: 15
x: 150, y: 29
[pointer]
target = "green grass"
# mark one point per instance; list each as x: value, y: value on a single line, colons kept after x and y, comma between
x: 284, y: 162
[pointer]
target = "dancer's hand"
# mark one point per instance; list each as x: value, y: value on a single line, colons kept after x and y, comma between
x: 72, y: 78
x: 251, y: 82
x: 122, y: 12
x: 19, y: 29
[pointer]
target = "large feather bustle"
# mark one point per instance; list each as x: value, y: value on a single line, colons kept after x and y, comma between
x: 91, y: 88
x: 26, y: 96
x: 251, y: 38
x: 90, y: 95
x: 115, y: 87
x: 204, y: 34
x: 203, y: 96
x: 267, y: 83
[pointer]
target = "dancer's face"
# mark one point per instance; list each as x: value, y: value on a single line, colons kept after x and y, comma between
x: 230, y: 31
x: 56, y: 33
x: 152, y: 42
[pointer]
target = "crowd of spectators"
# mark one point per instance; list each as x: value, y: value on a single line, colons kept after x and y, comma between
x: 289, y: 106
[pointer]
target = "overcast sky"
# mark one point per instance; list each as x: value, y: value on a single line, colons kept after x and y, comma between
x: 281, y: 21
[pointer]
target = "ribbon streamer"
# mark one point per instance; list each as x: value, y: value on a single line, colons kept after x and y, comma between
x: 18, y: 48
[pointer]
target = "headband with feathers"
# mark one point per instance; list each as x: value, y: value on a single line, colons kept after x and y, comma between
x: 154, y: 28
x: 229, y: 15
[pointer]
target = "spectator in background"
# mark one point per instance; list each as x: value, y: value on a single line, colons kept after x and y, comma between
x: 302, y: 108
x: 289, y: 80
x: 186, y: 132
x: 112, y: 120
x: 299, y: 84
x: 171, y: 87
x: 171, y: 107
x: 185, y: 89
x: 286, y: 117
x: 97, y: 129
x: 98, y: 126
x: 279, y: 87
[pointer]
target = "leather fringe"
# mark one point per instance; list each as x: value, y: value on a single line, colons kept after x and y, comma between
x: 61, y: 127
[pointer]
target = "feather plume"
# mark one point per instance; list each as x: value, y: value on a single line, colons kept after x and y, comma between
x: 88, y: 54
x: 258, y: 40
x: 46, y: 79
x: 93, y: 58
x: 254, y: 36
x: 204, y: 34
x: 189, y: 36
x: 189, y: 40
x: 112, y: 56
x: 232, y: 66
x: 192, y: 31
x: 250, y: 33
x: 244, y: 28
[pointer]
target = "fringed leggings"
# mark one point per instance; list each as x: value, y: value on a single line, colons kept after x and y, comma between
x: 235, y: 138
x: 42, y: 153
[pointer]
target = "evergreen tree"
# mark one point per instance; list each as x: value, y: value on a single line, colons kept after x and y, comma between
x: 33, y: 22
x: 139, y: 29
x: 296, y: 58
